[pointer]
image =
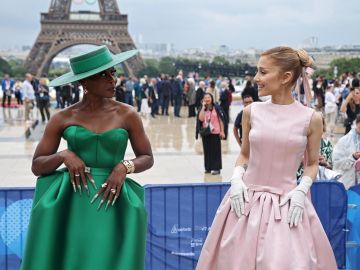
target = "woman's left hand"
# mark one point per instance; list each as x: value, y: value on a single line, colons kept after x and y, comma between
x: 222, y: 135
x: 112, y: 187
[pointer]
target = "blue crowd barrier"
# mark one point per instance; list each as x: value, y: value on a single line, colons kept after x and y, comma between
x: 179, y: 218
x: 15, y: 207
x: 353, y: 237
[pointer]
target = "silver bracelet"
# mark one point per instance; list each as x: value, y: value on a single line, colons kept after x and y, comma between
x: 130, y: 167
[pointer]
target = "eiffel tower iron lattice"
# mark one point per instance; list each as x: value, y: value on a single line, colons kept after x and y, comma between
x: 61, y: 29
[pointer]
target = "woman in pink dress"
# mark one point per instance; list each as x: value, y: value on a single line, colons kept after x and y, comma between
x: 266, y: 221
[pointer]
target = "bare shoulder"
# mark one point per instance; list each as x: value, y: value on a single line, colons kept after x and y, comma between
x: 316, y: 118
x: 316, y: 122
x: 127, y: 113
x: 247, y: 111
x: 123, y: 109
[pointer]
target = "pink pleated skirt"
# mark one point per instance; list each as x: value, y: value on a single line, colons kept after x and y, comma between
x: 262, y: 239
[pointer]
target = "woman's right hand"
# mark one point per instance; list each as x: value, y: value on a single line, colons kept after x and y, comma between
x: 238, y: 192
x: 77, y: 170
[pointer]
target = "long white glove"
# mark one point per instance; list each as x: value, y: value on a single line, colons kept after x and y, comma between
x: 238, y: 191
x: 297, y: 201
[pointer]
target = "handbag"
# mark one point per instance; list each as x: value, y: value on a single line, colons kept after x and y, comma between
x: 205, y: 131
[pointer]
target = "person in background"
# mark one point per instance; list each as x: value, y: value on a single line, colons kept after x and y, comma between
x: 200, y: 95
x: 331, y: 108
x: 225, y: 98
x: 355, y: 81
x: 76, y: 92
x: 44, y: 100
x: 211, y: 115
x: 351, y: 105
x: 66, y: 95
x: 129, y: 88
x: 145, y: 98
x: 247, y: 100
x: 137, y: 90
x: 326, y: 152
x: 166, y: 90
x: 319, y: 87
x: 213, y: 91
x: 346, y: 152
x: 191, y: 97
x: 29, y: 95
x: 120, y: 88
x: 7, y: 86
x: 250, y: 90
x: 153, y: 97
x: 178, y: 95
x: 18, y: 92
x: 231, y: 86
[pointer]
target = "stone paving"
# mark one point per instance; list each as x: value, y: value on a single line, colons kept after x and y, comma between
x: 178, y: 156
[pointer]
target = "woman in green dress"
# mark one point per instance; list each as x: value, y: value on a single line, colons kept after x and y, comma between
x: 89, y: 215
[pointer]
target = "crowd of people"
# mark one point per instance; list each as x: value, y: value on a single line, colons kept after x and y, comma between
x: 209, y: 101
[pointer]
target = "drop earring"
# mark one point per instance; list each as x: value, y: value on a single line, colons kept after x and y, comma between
x: 85, y: 90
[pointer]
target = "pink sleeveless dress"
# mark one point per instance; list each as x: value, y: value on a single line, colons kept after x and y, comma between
x: 262, y: 239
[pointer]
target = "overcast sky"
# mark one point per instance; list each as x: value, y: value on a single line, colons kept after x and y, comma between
x: 207, y: 23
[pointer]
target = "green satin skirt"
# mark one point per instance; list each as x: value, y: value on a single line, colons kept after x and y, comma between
x: 66, y: 232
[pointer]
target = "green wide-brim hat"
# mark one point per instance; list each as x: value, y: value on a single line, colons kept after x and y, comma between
x: 91, y: 63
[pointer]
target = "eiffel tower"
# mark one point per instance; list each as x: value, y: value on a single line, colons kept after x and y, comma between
x: 61, y: 29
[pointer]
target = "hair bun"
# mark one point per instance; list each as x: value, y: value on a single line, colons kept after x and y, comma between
x: 305, y: 59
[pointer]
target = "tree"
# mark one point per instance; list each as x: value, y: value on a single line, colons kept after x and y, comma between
x: 18, y: 69
x: 220, y: 60
x: 167, y: 65
x: 346, y: 65
x: 342, y: 64
x: 5, y: 68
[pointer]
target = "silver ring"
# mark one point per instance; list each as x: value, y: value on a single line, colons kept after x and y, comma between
x: 104, y: 185
x: 77, y: 174
x: 113, y: 190
x: 87, y: 169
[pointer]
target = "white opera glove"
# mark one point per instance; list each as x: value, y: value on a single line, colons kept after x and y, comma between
x: 297, y: 198
x: 238, y: 191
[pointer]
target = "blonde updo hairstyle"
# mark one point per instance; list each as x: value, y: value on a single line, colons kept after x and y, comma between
x: 289, y: 59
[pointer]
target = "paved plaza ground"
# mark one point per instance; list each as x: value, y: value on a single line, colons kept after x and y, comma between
x: 178, y: 156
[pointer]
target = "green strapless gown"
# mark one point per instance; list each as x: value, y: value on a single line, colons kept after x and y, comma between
x: 66, y: 232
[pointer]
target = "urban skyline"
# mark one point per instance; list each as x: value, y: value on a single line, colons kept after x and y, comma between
x: 207, y: 24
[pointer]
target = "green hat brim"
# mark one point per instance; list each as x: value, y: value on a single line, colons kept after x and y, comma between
x: 71, y: 77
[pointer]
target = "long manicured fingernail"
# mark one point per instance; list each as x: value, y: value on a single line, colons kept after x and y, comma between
x: 87, y: 189
x: 93, y: 183
x: 114, y: 200
x: 94, y: 198
x: 100, y: 204
x: 79, y: 187
x: 74, y: 187
x: 107, y: 204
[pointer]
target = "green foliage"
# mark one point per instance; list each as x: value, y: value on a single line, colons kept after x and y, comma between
x: 18, y: 69
x: 167, y: 65
x: 57, y: 72
x: 5, y: 67
x: 346, y: 65
x: 150, y: 71
x: 343, y: 65
x: 220, y: 60
x: 171, y: 66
